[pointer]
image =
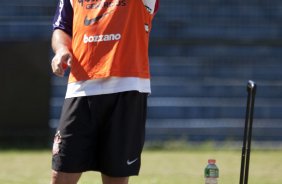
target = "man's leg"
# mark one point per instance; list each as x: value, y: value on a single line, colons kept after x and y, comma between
x: 72, y: 136
x: 64, y: 178
x: 114, y: 180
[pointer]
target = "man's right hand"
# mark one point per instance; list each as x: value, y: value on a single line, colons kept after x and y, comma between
x: 61, y: 61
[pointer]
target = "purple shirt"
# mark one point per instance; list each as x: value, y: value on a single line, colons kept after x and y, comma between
x: 63, y: 17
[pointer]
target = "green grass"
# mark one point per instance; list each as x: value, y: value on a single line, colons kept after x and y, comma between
x: 159, y: 167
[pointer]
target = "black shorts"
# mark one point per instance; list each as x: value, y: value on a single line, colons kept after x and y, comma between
x: 101, y: 133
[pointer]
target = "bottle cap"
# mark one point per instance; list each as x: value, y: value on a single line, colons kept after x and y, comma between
x: 211, y: 161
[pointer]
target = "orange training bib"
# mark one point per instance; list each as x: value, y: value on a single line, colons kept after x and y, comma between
x: 110, y: 38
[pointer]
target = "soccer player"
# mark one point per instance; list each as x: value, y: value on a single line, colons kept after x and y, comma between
x: 102, y: 125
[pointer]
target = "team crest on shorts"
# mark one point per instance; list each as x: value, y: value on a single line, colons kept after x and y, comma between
x: 56, y: 144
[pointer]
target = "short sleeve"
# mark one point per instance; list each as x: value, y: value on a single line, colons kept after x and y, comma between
x: 151, y: 5
x: 63, y: 18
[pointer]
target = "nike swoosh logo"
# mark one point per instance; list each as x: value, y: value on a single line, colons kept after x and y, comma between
x: 131, y: 162
x: 88, y: 22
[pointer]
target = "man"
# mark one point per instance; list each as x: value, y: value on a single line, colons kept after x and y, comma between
x: 102, y: 125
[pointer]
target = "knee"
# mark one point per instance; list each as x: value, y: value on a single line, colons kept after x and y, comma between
x: 56, y: 178
x: 114, y: 180
x: 64, y: 178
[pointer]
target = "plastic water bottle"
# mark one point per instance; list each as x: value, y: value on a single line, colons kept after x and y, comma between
x: 211, y: 172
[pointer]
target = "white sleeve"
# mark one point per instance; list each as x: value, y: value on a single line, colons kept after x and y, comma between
x: 150, y: 5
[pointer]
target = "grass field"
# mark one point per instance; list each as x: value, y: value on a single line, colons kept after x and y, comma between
x: 159, y: 167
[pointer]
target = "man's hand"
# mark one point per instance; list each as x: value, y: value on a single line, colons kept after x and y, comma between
x: 61, y: 44
x: 61, y: 61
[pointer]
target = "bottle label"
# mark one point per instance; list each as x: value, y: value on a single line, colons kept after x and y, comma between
x: 211, y: 173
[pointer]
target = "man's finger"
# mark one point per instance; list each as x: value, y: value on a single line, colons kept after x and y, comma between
x: 67, y: 59
x: 57, y: 67
x: 69, y: 62
x: 58, y: 71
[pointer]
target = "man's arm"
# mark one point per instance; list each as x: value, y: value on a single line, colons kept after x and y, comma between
x: 61, y: 44
x: 61, y: 38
